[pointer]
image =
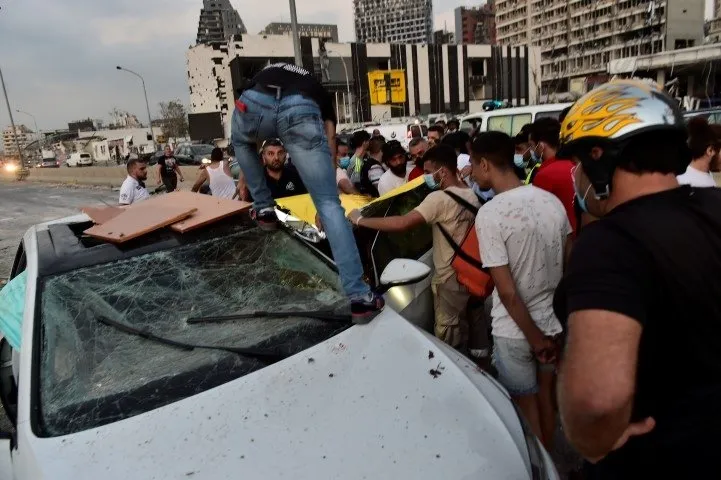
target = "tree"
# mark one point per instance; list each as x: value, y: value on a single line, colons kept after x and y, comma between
x: 175, y: 119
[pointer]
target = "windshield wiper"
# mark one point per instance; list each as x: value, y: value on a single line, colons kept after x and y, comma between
x: 325, y: 315
x: 267, y: 356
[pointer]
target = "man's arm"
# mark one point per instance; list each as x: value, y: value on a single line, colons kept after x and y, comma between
x: 179, y: 172
x: 388, y: 224
x: 202, y: 178
x: 158, y: 176
x: 330, y: 133
x: 597, y: 381
x: 508, y: 294
x: 347, y: 187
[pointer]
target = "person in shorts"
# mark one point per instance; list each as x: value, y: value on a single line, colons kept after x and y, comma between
x: 523, y: 234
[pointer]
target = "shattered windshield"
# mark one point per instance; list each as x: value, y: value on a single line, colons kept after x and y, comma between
x: 92, y: 374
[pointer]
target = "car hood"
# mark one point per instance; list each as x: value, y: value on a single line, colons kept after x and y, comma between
x: 383, y: 400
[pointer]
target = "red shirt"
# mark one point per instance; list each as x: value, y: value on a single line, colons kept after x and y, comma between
x: 555, y: 176
x: 415, y: 173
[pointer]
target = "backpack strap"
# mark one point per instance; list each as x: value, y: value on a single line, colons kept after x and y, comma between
x: 463, y: 202
x: 459, y: 251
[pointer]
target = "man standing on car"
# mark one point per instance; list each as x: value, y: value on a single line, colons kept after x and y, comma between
x: 169, y: 171
x: 133, y: 188
x: 442, y: 211
x: 288, y: 102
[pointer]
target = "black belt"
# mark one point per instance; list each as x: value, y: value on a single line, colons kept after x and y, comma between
x: 276, y: 91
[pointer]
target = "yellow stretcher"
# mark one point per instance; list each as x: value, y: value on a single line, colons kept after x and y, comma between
x: 302, y: 208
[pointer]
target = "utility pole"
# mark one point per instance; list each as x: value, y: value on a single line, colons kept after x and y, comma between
x: 12, y: 122
x: 296, y: 39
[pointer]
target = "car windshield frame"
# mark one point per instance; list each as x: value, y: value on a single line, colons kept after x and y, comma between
x: 316, y: 279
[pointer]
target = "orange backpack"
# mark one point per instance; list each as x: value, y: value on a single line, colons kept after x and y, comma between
x: 467, y: 259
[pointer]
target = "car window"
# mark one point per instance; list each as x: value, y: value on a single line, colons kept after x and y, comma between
x: 200, y: 150
x: 92, y: 374
x: 509, y: 124
x: 554, y: 114
x: 412, y: 244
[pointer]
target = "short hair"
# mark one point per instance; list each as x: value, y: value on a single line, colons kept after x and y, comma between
x: 547, y: 130
x: 271, y: 142
x: 454, y: 121
x: 443, y: 156
x: 340, y: 142
x: 457, y: 140
x: 497, y: 147
x: 132, y: 163
x: 216, y: 154
x: 436, y: 128
x: 520, y: 139
x: 701, y: 136
x: 376, y: 145
x: 657, y: 151
x: 393, y: 148
x: 359, y: 138
x: 564, y: 113
x: 416, y: 141
x: 525, y: 131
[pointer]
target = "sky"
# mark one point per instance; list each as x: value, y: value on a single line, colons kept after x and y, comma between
x: 58, y: 57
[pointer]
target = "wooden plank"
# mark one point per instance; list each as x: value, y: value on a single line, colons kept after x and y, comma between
x: 134, y: 222
x: 210, y: 209
x: 101, y: 215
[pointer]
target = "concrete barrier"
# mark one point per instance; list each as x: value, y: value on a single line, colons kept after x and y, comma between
x: 111, y: 176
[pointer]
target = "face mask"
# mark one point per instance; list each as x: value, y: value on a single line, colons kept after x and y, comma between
x: 431, y: 182
x: 344, y: 163
x: 518, y: 160
x: 581, y: 200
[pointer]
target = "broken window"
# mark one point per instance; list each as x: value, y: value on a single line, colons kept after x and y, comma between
x: 91, y: 374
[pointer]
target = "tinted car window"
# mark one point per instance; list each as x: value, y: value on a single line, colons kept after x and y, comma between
x: 509, y: 124
x: 554, y: 114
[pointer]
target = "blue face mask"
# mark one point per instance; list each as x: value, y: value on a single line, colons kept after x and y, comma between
x: 581, y: 200
x: 518, y: 160
x: 535, y: 158
x: 431, y: 182
x: 344, y: 163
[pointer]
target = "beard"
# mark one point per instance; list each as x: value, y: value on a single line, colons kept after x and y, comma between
x: 274, y: 167
x: 399, y: 170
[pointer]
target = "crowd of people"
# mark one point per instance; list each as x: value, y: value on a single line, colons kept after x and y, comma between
x: 595, y: 230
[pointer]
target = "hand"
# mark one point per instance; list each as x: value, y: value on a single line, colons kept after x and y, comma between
x: 545, y: 349
x: 354, y: 215
x: 633, y: 430
x: 318, y: 223
x: 466, y: 171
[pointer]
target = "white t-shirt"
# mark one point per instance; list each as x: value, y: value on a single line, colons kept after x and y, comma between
x: 525, y: 228
x: 390, y: 181
x: 131, y: 191
x: 696, y: 178
x: 340, y: 174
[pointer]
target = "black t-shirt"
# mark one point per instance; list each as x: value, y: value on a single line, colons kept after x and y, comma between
x: 288, y: 185
x: 657, y: 259
x: 298, y: 80
x: 167, y: 167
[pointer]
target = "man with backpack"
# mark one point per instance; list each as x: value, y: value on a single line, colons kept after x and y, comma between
x: 523, y: 236
x: 450, y: 208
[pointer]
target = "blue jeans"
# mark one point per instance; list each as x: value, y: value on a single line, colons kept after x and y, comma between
x: 297, y: 121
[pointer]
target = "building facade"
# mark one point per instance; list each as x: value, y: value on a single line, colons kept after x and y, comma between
x: 438, y: 78
x: 393, y: 21
x: 578, y: 38
x: 476, y: 25
x: 21, y: 136
x: 441, y: 37
x: 714, y: 25
x: 219, y: 21
x: 323, y: 31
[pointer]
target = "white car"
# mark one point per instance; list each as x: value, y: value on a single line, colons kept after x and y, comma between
x: 133, y: 365
x: 79, y: 160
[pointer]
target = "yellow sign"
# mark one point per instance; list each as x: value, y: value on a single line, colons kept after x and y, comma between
x: 387, y: 86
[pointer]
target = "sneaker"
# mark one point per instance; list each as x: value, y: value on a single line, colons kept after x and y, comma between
x: 266, y: 218
x: 363, y: 310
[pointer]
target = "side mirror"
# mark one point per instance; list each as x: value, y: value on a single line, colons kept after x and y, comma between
x: 402, y: 271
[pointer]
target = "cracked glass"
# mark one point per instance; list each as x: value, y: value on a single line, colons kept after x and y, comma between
x: 91, y: 374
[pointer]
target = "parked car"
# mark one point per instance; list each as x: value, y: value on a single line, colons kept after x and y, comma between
x: 129, y: 363
x: 48, y: 163
x: 188, y: 154
x: 79, y: 160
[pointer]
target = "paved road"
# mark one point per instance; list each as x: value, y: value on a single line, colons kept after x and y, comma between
x: 25, y: 204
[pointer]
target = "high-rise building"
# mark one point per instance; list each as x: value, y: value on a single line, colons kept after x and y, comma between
x: 394, y: 21
x: 314, y: 30
x: 442, y: 37
x: 219, y: 21
x: 23, y: 136
x: 475, y: 25
x: 579, y: 38
x: 714, y: 25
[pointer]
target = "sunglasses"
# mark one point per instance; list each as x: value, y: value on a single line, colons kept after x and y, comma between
x: 272, y: 142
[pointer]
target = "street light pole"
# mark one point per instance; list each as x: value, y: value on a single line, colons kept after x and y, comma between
x: 12, y: 122
x: 37, y: 130
x: 147, y: 105
x: 294, y: 29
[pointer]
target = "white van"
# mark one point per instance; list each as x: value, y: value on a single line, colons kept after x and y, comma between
x: 79, y: 160
x: 510, y: 120
x: 403, y: 132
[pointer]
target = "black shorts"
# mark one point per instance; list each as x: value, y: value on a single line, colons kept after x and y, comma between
x: 171, y: 183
